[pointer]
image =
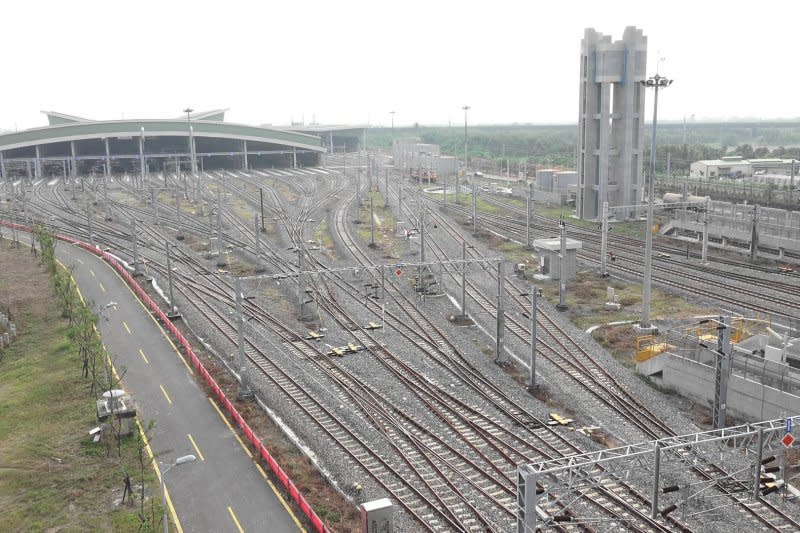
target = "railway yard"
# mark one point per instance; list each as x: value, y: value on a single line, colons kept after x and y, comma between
x: 355, y: 339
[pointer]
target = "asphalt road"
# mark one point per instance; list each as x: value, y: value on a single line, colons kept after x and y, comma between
x: 224, y: 489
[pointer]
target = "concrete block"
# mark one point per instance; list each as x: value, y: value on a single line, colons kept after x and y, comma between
x: 654, y: 365
x: 12, y: 330
x: 6, y: 339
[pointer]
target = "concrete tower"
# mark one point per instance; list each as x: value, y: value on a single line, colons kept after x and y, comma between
x: 610, y: 125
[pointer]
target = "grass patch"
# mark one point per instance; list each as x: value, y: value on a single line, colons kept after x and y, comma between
x: 53, y: 476
x: 323, y: 236
x: 512, y: 251
x: 556, y: 212
x: 384, y: 223
x: 486, y: 207
x: 285, y: 191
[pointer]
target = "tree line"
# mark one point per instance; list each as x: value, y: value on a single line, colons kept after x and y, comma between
x: 555, y: 145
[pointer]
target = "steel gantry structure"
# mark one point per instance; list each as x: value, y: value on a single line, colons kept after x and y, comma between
x: 665, y: 462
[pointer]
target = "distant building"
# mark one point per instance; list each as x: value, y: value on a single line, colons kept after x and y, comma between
x: 341, y: 138
x: 610, y: 133
x: 552, y: 180
x: 737, y: 167
x: 412, y: 155
x: 74, y: 146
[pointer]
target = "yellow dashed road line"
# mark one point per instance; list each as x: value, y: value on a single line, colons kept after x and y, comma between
x: 164, y: 391
x: 235, y: 521
x: 235, y: 434
x: 199, y: 453
x: 260, y: 470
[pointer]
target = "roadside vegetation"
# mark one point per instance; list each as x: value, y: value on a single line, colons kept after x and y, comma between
x: 53, y: 476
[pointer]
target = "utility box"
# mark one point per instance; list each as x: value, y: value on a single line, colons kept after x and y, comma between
x: 117, y: 405
x: 376, y: 516
x: 549, y: 251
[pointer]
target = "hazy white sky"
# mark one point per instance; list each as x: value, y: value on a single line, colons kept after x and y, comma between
x: 348, y: 61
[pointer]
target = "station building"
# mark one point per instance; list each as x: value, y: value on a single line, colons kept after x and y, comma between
x: 73, y: 146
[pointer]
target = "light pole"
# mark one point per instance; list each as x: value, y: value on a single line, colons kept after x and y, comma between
x: 244, y: 383
x: 465, y: 108
x: 188, y: 112
x: 655, y: 82
x: 501, y: 316
x: 532, y: 363
x: 179, y: 461
x: 562, y: 266
x: 392, y: 113
x: 173, y: 311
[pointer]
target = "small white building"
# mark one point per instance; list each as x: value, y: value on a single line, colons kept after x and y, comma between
x: 737, y: 167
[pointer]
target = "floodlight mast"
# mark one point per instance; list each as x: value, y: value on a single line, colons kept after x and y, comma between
x: 654, y: 82
x: 465, y: 108
x: 193, y: 164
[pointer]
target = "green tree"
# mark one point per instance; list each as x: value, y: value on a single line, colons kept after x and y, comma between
x: 47, y: 243
x: 66, y: 293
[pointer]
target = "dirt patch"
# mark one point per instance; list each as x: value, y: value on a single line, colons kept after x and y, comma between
x: 619, y: 340
x: 21, y: 294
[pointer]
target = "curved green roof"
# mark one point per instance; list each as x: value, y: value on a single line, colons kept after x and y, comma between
x: 73, y: 131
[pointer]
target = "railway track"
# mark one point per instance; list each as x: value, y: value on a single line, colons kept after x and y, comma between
x: 539, y: 436
x: 426, y: 461
x: 585, y: 370
x: 714, y: 284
